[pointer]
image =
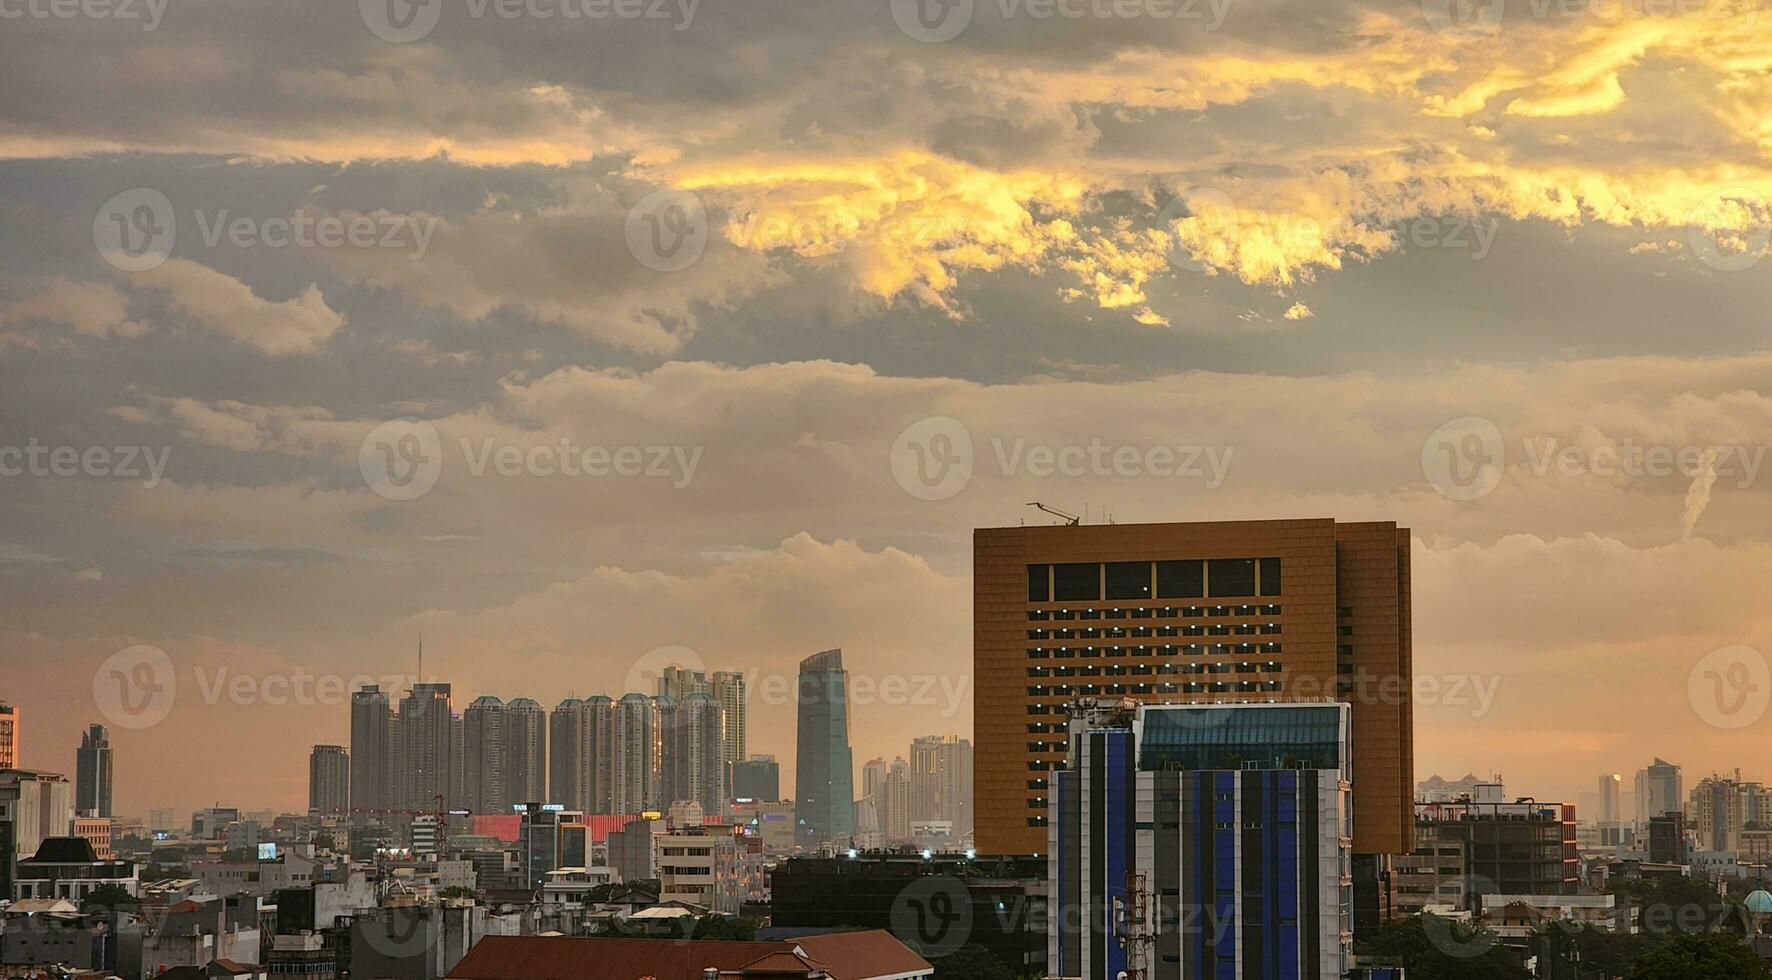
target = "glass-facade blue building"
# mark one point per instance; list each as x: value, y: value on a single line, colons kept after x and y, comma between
x: 1202, y: 841
x: 824, y: 790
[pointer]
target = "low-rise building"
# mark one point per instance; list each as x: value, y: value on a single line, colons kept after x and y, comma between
x: 66, y: 867
x: 699, y: 868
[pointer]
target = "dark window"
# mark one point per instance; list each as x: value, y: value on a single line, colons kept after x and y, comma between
x: 1231, y: 576
x: 1180, y: 580
x: 1270, y: 576
x: 1129, y: 580
x: 1075, y: 582
x: 1039, y: 589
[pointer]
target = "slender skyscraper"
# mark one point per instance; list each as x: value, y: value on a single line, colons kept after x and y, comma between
x: 92, y: 777
x: 728, y: 688
x: 485, y: 767
x: 329, y: 779
x: 824, y: 798
x: 600, y: 747
x: 567, y: 742
x: 371, y: 720
x: 526, y: 751
x: 634, y: 780
x: 694, y: 760
x: 427, y: 744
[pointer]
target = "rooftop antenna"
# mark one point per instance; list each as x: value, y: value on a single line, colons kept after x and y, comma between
x: 1070, y: 519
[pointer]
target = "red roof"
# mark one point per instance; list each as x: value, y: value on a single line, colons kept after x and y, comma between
x: 843, y: 956
x: 851, y: 955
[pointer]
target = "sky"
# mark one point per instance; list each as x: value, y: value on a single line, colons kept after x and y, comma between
x: 577, y: 337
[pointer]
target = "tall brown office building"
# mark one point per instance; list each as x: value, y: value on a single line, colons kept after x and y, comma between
x: 1255, y: 610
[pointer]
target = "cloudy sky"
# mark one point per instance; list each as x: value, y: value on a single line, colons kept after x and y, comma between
x: 559, y: 331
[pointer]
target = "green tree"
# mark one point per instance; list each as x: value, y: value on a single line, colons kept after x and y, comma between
x: 107, y: 897
x: 1703, y: 957
x: 971, y: 962
x: 457, y: 891
x: 725, y: 929
x: 1432, y: 948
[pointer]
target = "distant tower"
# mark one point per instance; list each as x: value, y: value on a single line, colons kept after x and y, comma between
x: 634, y: 775
x: 526, y: 751
x: 92, y: 776
x: 484, y: 738
x: 694, y: 762
x: 566, y: 756
x: 599, y: 765
x: 728, y: 688
x: 329, y: 779
x: 372, y: 717
x: 427, y: 758
x: 824, y: 798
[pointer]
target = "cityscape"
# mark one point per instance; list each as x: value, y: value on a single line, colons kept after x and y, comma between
x: 885, y: 490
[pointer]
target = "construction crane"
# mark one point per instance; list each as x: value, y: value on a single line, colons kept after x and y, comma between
x: 1071, y: 519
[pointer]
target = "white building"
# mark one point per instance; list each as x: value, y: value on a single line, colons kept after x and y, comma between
x: 701, y: 868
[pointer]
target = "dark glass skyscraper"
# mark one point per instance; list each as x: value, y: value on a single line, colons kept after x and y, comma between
x: 824, y: 797
x: 92, y: 778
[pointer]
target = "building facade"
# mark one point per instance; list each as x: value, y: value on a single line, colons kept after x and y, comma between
x: 485, y: 766
x: 329, y: 779
x: 941, y: 772
x: 693, y: 754
x: 1486, y: 846
x: 566, y: 755
x: 11, y: 732
x: 526, y: 750
x: 92, y: 772
x: 824, y: 776
x: 757, y: 778
x: 1660, y: 791
x: 635, y: 775
x: 1203, y: 841
x: 371, y: 718
x: 1275, y: 610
